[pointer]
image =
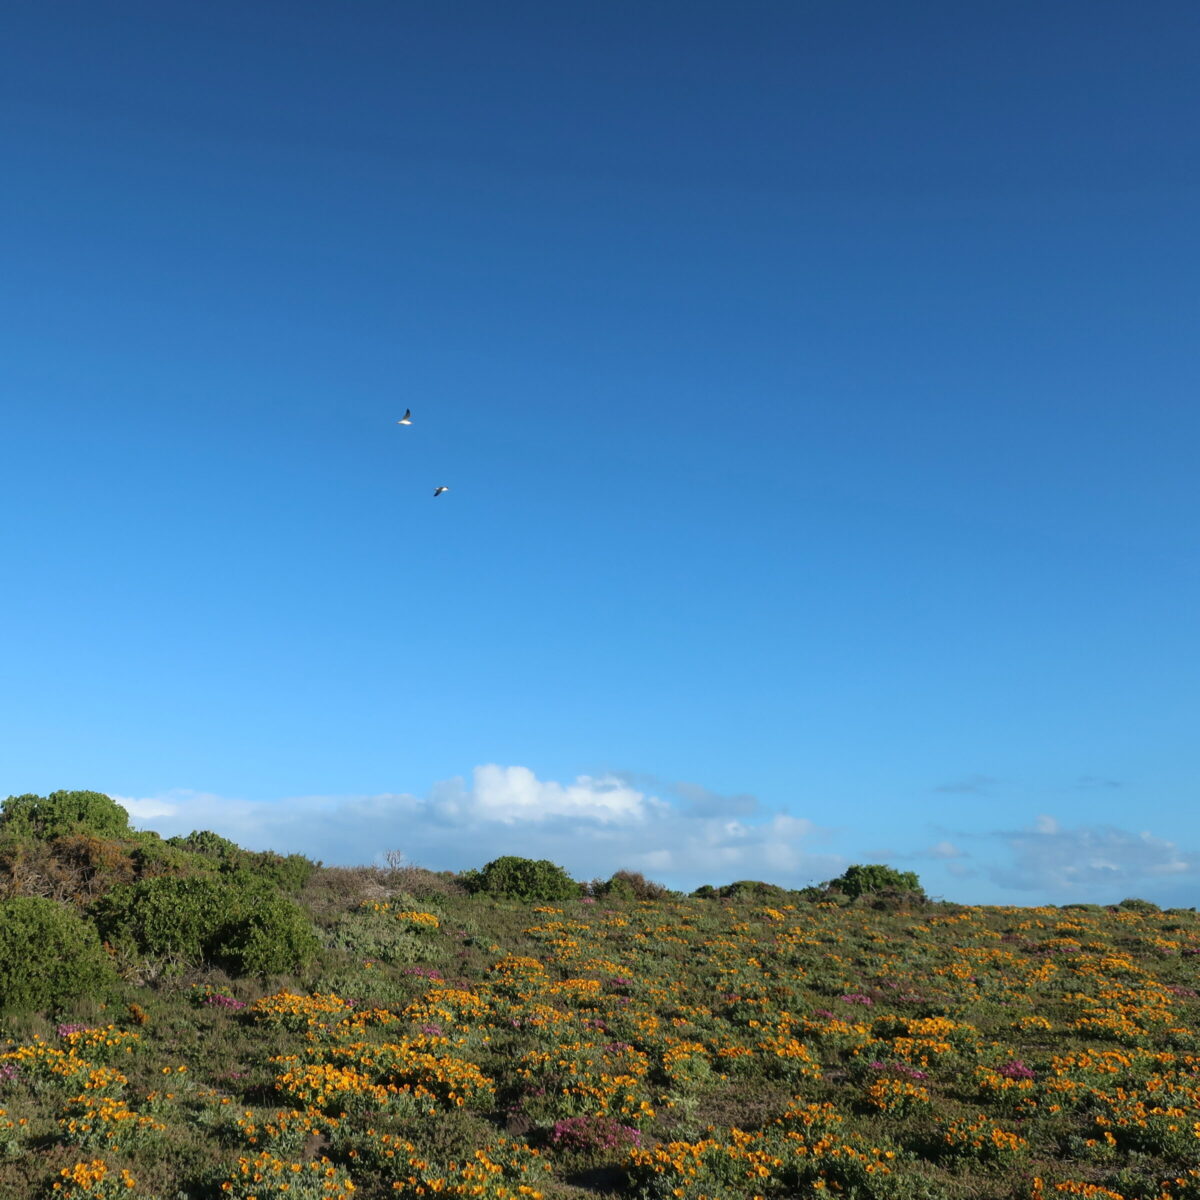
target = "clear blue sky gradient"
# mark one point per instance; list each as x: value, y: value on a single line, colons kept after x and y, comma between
x: 816, y: 384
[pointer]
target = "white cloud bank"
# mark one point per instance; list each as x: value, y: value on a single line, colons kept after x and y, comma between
x: 592, y: 826
x: 1088, y: 861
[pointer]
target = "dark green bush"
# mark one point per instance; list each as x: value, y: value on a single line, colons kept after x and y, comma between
x: 521, y: 879
x: 62, y: 813
x: 629, y: 885
x: 167, y: 916
x: 274, y: 936
x: 1137, y: 905
x: 751, y: 889
x: 49, y: 956
x: 289, y: 873
x: 211, y: 845
x: 872, y: 878
x: 228, y: 920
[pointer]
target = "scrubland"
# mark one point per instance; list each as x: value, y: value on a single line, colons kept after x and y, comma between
x: 417, y: 1039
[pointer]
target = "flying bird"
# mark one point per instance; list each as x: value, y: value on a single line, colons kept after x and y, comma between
x: 438, y: 491
x: 407, y: 418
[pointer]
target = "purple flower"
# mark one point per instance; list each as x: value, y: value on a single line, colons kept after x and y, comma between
x: 595, y: 1131
x: 857, y: 998
x: 431, y: 1030
x: 1016, y: 1069
x: 63, y: 1030
x: 899, y: 1068
x: 219, y: 1000
x: 9, y: 1072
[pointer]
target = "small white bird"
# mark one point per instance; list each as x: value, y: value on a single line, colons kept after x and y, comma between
x: 438, y: 491
x: 407, y: 418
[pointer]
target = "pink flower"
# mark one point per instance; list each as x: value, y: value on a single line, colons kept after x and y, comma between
x: 1016, y: 1069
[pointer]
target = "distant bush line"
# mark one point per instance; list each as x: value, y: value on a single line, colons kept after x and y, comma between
x: 86, y: 901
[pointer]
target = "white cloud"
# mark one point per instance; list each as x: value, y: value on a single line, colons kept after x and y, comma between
x: 698, y: 800
x: 512, y: 794
x: 945, y: 849
x: 145, y: 810
x: 593, y: 826
x: 1090, y: 859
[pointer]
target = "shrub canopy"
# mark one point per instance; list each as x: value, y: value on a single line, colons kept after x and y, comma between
x: 521, y: 879
x: 61, y: 813
x: 235, y: 920
x: 872, y: 878
x: 49, y: 956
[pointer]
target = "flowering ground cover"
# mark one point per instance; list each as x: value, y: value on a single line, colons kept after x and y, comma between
x: 463, y: 1046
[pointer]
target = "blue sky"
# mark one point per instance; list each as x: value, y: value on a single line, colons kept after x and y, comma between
x: 815, y: 383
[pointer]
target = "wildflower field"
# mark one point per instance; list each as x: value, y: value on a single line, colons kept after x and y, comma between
x: 680, y: 1047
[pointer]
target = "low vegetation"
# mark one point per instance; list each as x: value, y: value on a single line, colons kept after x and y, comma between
x: 185, y: 1020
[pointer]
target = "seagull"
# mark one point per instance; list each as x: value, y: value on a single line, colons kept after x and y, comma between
x: 407, y: 418
x: 438, y: 491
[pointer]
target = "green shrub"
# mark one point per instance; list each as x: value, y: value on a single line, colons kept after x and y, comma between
x: 49, y: 956
x: 521, y: 879
x: 289, y: 872
x: 369, y: 934
x: 211, y: 845
x: 751, y: 889
x: 873, y: 878
x: 629, y: 885
x: 167, y: 916
x: 274, y: 936
x: 60, y: 813
x: 154, y: 856
x: 1134, y: 904
x: 227, y: 920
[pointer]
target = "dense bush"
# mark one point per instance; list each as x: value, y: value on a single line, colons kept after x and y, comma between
x: 272, y: 937
x: 288, y: 872
x: 751, y: 889
x: 49, y: 956
x: 167, y: 916
x: 211, y: 845
x: 629, y: 885
x: 873, y: 878
x: 63, y: 813
x: 375, y: 933
x: 521, y: 879
x: 754, y: 891
x: 229, y: 920
x: 1136, y: 904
